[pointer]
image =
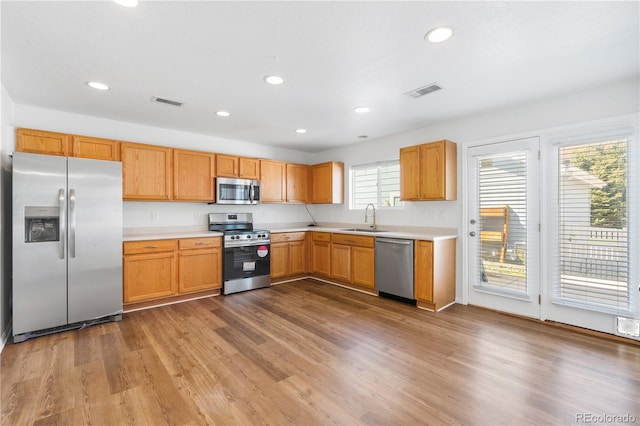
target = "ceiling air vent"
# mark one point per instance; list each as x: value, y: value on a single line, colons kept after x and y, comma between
x: 424, y: 90
x: 166, y: 101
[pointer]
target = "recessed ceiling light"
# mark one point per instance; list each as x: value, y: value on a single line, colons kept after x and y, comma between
x: 363, y: 137
x: 97, y: 85
x: 274, y: 79
x: 439, y: 34
x: 127, y: 3
x: 301, y: 131
x: 362, y: 109
x: 223, y: 114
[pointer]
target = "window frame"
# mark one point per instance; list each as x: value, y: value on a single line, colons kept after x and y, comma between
x: 378, y: 165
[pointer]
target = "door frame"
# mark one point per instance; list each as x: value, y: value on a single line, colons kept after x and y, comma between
x: 526, y: 305
x: 547, y: 136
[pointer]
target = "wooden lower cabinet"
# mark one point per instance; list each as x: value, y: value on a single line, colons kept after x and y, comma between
x: 288, y: 254
x: 149, y: 269
x: 199, y: 264
x: 157, y: 269
x: 435, y: 273
x: 321, y: 253
x: 341, y: 262
x: 353, y: 259
x: 363, y: 266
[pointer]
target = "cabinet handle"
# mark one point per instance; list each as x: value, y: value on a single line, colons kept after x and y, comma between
x: 202, y: 244
x: 150, y: 246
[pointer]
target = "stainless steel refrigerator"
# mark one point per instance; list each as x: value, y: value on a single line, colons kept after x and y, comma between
x: 67, y: 243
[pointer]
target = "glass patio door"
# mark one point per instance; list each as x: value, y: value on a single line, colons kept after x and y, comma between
x: 592, y: 277
x: 503, y: 229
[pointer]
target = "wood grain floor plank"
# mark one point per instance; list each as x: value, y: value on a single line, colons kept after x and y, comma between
x: 309, y: 353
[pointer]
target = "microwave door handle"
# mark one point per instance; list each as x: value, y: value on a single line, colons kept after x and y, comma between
x: 251, y: 192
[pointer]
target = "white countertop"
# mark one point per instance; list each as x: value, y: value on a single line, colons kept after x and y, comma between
x: 412, y: 233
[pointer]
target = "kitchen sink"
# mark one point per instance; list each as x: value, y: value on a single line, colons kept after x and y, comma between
x: 361, y: 230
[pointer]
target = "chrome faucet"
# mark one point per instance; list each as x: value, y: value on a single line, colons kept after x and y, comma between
x: 366, y: 215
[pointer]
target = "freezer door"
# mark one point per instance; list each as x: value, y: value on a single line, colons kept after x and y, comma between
x: 95, y: 239
x: 39, y: 263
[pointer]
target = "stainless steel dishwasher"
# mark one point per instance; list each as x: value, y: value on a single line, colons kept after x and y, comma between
x: 394, y: 267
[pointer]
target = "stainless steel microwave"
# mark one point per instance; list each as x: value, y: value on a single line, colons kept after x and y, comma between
x: 237, y: 191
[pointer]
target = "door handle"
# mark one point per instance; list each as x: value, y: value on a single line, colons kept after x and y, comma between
x: 251, y: 193
x: 62, y: 218
x: 72, y: 223
x: 472, y: 234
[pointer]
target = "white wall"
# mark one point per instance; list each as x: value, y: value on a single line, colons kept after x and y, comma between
x: 618, y: 98
x: 7, y: 145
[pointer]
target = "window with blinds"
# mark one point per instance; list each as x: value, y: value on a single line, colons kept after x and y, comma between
x: 502, y: 208
x: 376, y: 183
x: 592, y: 270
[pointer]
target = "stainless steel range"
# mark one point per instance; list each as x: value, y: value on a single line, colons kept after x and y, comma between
x: 247, y: 252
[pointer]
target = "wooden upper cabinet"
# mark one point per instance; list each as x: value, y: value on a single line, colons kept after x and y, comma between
x: 146, y: 171
x: 240, y: 167
x: 297, y: 183
x: 428, y: 172
x: 327, y: 183
x: 273, y: 186
x: 410, y: 173
x: 226, y: 165
x: 249, y: 168
x: 96, y: 148
x: 41, y: 142
x: 193, y: 173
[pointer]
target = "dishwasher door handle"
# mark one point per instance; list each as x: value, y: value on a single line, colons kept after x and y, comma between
x: 401, y: 242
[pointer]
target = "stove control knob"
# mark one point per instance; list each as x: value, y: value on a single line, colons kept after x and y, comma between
x: 248, y: 236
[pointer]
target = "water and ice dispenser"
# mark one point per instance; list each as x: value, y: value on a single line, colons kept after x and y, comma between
x: 42, y: 224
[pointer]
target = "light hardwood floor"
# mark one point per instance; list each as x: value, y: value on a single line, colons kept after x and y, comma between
x: 311, y: 353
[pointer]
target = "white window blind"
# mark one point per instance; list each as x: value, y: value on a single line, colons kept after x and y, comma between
x: 502, y: 198
x: 376, y: 183
x: 592, y: 270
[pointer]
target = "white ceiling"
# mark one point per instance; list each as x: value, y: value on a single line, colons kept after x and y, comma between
x: 334, y: 56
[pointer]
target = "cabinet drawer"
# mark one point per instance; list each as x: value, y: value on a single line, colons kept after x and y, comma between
x: 287, y: 236
x: 199, y: 243
x: 353, y: 240
x: 150, y: 246
x: 321, y: 236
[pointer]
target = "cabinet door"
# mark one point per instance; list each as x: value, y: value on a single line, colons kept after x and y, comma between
x: 423, y: 271
x: 272, y: 181
x: 298, y: 257
x: 297, y: 183
x: 193, y: 173
x: 432, y: 168
x: 249, y: 168
x: 226, y: 165
x: 279, y: 260
x: 362, y: 266
x: 410, y: 173
x: 327, y: 181
x: 149, y: 276
x: 146, y: 172
x: 341, y: 262
x: 40, y: 142
x: 199, y: 270
x: 321, y: 252
x: 95, y: 148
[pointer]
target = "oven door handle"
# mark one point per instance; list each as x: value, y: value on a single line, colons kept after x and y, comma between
x: 248, y: 244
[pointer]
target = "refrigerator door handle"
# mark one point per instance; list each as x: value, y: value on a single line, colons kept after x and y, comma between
x: 72, y: 223
x: 63, y: 222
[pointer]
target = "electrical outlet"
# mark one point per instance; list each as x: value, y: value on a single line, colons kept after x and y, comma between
x: 155, y: 216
